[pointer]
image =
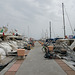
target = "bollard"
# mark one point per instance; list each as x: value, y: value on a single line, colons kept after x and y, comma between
x: 21, y: 53
x: 50, y: 48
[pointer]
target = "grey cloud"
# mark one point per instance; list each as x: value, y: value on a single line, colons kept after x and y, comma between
x: 36, y: 14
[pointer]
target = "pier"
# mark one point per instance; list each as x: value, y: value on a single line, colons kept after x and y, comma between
x: 36, y: 64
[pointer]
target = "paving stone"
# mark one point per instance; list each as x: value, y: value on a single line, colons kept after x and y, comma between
x: 70, y: 72
x: 66, y: 68
x: 15, y: 67
x: 19, y: 61
x: 63, y: 65
x: 10, y: 73
x: 60, y: 62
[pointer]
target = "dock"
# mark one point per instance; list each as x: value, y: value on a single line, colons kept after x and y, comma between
x: 6, y: 61
x: 36, y: 64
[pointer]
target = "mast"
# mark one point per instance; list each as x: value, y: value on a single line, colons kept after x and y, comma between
x: 50, y: 29
x: 28, y: 31
x: 63, y: 19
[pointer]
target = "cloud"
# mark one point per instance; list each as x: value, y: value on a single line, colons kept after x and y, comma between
x: 36, y: 14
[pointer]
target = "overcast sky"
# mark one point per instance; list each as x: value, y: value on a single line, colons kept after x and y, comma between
x: 32, y: 16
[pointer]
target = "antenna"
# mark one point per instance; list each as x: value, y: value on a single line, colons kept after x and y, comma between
x: 28, y: 31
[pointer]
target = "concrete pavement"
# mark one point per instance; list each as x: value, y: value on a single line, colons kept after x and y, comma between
x: 36, y: 64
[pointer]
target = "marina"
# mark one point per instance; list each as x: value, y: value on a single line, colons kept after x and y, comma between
x: 39, y: 57
x: 37, y: 37
x: 35, y: 63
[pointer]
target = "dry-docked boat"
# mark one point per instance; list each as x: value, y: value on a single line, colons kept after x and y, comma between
x: 8, y: 46
x: 69, y: 45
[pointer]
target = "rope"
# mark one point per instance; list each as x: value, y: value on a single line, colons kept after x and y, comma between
x: 69, y: 21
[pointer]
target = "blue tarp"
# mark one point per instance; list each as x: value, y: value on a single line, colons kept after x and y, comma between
x: 73, y: 37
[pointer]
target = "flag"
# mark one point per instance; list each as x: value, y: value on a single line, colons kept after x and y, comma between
x: 1, y: 31
x: 13, y: 34
x: 15, y: 30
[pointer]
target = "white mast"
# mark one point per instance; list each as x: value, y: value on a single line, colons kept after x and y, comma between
x: 50, y: 29
x: 63, y: 19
